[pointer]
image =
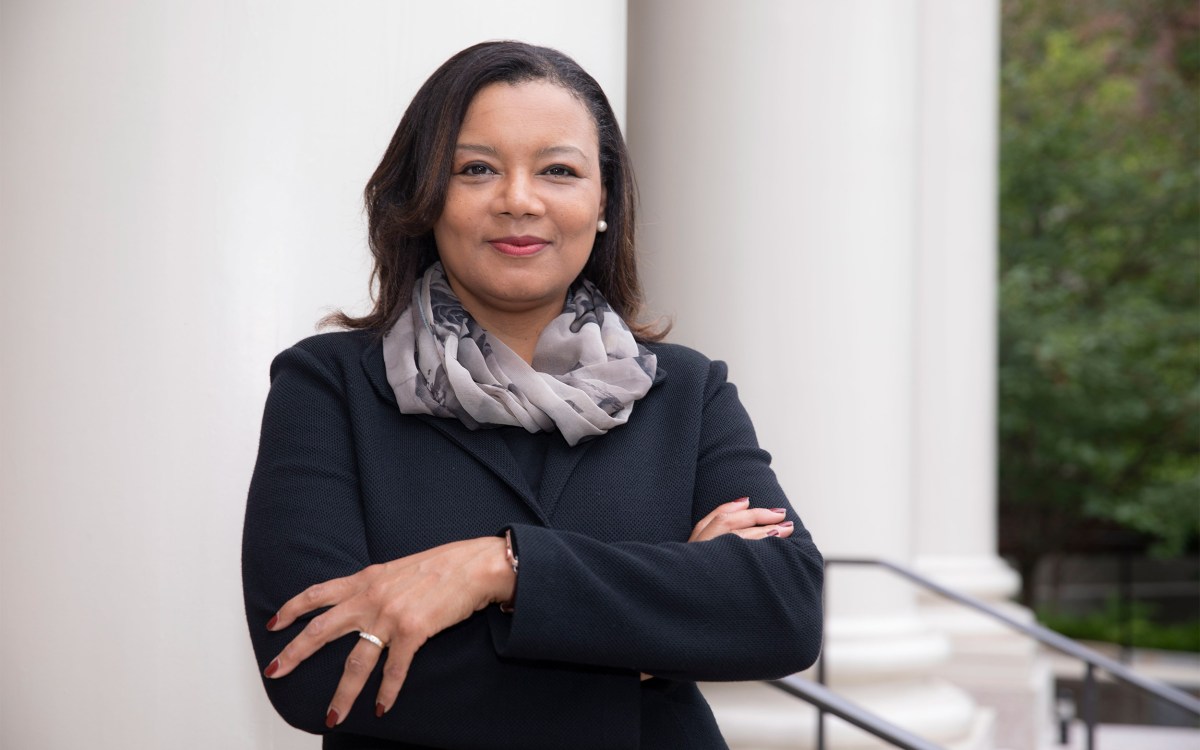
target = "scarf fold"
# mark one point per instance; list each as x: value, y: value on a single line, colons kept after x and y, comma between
x: 587, y: 372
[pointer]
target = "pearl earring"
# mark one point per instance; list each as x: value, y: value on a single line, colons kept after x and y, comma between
x: 602, y: 226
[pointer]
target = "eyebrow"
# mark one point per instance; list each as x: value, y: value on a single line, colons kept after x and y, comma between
x: 550, y: 150
x: 479, y: 148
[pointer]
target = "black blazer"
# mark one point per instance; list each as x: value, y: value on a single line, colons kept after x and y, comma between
x: 608, y: 587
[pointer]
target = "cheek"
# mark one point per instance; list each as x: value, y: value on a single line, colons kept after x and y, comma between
x: 460, y: 210
x: 584, y: 216
x: 453, y: 224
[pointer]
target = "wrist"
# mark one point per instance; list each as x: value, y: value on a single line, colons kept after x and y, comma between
x: 510, y: 557
x: 501, y: 580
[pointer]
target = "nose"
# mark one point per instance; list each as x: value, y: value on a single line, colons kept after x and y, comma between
x: 519, y: 196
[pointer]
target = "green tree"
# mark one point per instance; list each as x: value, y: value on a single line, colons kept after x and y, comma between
x: 1100, y: 271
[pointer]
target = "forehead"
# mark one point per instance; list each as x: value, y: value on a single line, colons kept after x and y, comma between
x: 539, y: 113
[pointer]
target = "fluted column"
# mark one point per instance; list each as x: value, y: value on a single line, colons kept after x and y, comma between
x: 955, y: 457
x: 777, y: 148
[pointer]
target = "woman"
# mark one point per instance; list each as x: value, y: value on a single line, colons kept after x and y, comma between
x: 470, y: 517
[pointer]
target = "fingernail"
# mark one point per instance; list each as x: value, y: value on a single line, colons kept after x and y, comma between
x: 773, y: 532
x: 778, y: 510
x: 272, y: 668
x: 379, y: 710
x: 271, y: 623
x: 331, y: 718
x: 743, y: 500
x: 788, y: 524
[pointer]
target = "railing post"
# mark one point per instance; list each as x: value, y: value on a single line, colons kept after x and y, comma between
x: 821, y: 669
x: 821, y: 711
x: 1125, y: 604
x: 1089, y: 705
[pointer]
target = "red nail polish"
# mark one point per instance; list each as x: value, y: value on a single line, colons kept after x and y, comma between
x: 272, y: 668
x: 789, y: 524
x: 271, y: 623
x: 331, y: 718
x: 773, y: 532
x: 379, y: 710
x: 773, y: 510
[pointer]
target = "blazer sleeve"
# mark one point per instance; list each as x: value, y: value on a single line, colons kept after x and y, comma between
x: 724, y: 609
x: 304, y: 525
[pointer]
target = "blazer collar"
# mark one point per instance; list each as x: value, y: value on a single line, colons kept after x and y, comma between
x: 487, y: 447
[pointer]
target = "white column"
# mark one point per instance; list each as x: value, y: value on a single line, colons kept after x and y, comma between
x: 955, y: 459
x: 777, y: 149
x: 179, y: 200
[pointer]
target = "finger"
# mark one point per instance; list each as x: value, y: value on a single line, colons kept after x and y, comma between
x: 765, y: 516
x: 740, y: 519
x: 733, y: 505
x: 359, y: 665
x: 320, y: 630
x: 722, y: 508
x: 314, y: 597
x: 729, y: 507
x: 395, y: 672
x: 755, y: 532
x: 782, y: 530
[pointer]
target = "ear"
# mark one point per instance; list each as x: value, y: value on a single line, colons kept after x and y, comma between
x: 603, y: 200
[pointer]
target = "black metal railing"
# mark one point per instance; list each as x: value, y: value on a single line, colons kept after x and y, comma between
x: 828, y: 702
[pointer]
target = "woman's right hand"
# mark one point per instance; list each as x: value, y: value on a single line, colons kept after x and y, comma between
x: 403, y: 603
x: 737, y: 517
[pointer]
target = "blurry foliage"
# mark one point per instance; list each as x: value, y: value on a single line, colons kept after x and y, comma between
x: 1100, y: 271
x: 1140, y: 627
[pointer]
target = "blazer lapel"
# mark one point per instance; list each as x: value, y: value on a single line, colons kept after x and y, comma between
x: 485, y: 446
x: 561, y: 460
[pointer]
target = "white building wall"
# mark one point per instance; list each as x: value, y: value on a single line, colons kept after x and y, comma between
x: 179, y: 201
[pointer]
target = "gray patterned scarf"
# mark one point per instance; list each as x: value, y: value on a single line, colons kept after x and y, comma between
x: 587, y: 368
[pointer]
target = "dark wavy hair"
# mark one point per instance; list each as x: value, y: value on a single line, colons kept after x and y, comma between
x: 407, y: 192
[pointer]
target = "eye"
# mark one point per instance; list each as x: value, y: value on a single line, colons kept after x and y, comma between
x: 476, y: 169
x: 558, y: 170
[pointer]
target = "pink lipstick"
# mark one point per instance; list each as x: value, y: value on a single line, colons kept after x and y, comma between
x: 519, y: 246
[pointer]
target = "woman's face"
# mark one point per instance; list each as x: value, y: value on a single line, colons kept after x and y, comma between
x: 524, y: 197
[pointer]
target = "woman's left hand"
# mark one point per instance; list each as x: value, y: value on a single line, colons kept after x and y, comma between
x: 404, y: 603
x: 740, y: 519
x: 737, y: 517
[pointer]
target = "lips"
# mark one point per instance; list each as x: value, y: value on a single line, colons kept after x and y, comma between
x: 518, y: 246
